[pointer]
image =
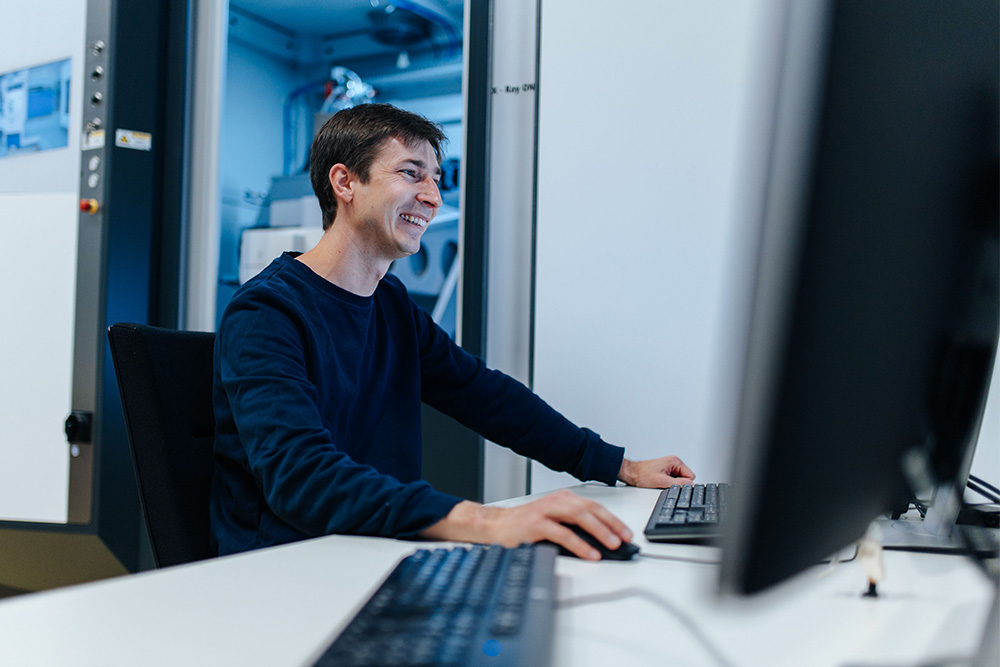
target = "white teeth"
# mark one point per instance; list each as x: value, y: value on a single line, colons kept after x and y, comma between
x: 415, y: 220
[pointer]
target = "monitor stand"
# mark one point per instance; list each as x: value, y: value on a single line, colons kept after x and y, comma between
x: 911, y: 535
x: 936, y: 532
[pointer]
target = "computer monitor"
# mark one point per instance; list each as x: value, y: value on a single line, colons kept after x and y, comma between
x: 875, y: 307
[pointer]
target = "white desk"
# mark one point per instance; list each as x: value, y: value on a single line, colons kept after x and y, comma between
x: 280, y: 606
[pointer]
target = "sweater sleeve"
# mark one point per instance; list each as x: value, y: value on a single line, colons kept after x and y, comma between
x: 305, y: 479
x: 506, y: 412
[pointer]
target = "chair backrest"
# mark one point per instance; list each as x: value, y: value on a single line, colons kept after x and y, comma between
x: 165, y: 382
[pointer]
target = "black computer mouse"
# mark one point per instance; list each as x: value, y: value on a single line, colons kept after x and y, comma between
x: 625, y: 551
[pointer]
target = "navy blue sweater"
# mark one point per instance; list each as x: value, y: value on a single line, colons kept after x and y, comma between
x: 317, y: 408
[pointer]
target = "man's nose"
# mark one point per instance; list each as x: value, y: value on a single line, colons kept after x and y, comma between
x: 429, y: 194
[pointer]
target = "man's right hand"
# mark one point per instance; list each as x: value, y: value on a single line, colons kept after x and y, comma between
x: 538, y: 520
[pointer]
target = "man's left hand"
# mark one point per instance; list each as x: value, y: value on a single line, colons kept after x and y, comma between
x: 655, y: 473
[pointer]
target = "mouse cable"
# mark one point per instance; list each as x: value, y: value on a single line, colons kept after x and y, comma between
x: 681, y: 559
x: 658, y: 600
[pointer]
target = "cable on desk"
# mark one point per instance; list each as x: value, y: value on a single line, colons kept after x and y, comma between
x: 857, y: 548
x: 680, y: 559
x: 987, y: 491
x: 982, y: 482
x: 834, y: 562
x: 698, y: 561
x: 635, y: 592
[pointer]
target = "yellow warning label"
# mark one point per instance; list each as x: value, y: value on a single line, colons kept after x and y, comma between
x: 140, y: 141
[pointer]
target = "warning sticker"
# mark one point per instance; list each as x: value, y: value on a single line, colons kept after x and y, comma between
x: 140, y: 141
x: 93, y: 139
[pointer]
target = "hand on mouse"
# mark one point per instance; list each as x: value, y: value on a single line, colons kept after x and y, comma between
x: 655, y: 473
x: 536, y: 521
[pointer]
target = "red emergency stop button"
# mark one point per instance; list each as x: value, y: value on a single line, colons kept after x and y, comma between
x: 89, y: 205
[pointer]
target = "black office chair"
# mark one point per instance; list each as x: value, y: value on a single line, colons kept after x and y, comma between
x: 165, y: 382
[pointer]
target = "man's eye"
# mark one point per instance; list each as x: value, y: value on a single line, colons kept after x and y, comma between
x: 409, y: 172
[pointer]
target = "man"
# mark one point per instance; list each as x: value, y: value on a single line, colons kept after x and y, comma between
x: 322, y: 361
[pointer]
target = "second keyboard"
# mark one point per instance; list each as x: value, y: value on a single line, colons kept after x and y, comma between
x: 691, y: 512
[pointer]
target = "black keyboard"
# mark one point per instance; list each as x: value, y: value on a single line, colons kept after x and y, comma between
x: 485, y: 605
x: 692, y: 512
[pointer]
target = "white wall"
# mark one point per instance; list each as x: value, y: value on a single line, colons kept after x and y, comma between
x: 652, y: 131
x: 38, y: 226
x: 649, y: 121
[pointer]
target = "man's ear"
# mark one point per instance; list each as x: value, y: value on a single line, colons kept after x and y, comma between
x: 342, y: 181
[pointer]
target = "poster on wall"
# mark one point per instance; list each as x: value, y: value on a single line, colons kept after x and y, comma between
x: 34, y: 108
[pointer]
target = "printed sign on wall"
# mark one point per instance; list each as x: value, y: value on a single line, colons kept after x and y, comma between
x: 34, y: 108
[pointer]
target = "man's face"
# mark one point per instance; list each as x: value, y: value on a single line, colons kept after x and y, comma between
x: 400, y: 199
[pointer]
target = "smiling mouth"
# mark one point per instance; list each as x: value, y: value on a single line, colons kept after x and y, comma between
x: 414, y: 220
